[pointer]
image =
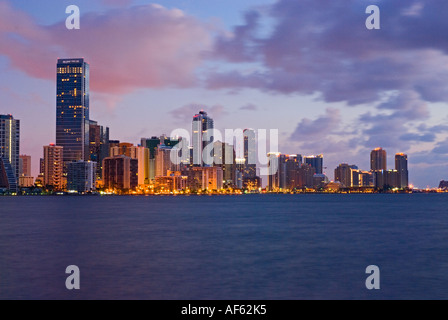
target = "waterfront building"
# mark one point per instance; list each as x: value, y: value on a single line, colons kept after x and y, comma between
x: 317, y: 162
x: 120, y: 173
x: 9, y: 152
x: 54, y: 167
x: 201, y: 129
x: 401, y: 166
x: 378, y: 159
x: 72, y: 109
x: 81, y: 176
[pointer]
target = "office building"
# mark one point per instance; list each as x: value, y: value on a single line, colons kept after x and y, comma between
x: 53, y: 167
x: 25, y: 166
x: 250, y: 154
x: 81, y: 176
x: 205, y: 178
x: 26, y: 182
x: 292, y: 168
x: 152, y: 144
x: 344, y: 173
x: 225, y: 158
x: 378, y: 159
x: 120, y: 173
x: 140, y: 153
x: 163, y: 162
x: 306, y: 176
x: 320, y: 181
x: 174, y: 181
x: 9, y: 151
x: 72, y: 109
x: 201, y: 128
x: 99, y: 148
x: 317, y: 162
x: 401, y: 166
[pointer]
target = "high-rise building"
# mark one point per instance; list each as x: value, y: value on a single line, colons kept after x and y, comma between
x: 317, y: 162
x: 293, y: 164
x: 401, y: 165
x: 25, y: 166
x: 10, y: 151
x: 306, y: 176
x: 120, y: 173
x: 152, y: 144
x: 163, y: 162
x: 378, y: 159
x: 72, y: 109
x: 250, y: 154
x: 135, y: 152
x: 225, y: 158
x: 81, y: 176
x: 202, y: 126
x: 53, y: 167
x: 344, y: 173
x: 98, y: 145
x: 205, y: 178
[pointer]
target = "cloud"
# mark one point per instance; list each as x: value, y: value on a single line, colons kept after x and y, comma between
x: 318, y: 128
x: 145, y: 46
x: 441, y: 148
x: 317, y: 46
x: 249, y: 107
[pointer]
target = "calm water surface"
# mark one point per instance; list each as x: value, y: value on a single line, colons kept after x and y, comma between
x: 225, y: 247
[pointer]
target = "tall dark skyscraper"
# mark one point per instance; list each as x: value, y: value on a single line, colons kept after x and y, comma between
x: 317, y: 162
x: 401, y: 166
x: 202, y: 123
x: 72, y: 109
x: 9, y: 152
x: 378, y: 159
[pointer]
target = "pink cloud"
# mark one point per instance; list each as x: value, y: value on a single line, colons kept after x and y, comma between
x: 145, y: 46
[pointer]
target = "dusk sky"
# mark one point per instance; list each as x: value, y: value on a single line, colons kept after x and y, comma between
x: 309, y: 68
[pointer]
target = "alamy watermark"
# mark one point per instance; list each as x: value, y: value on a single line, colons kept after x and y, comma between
x: 248, y: 145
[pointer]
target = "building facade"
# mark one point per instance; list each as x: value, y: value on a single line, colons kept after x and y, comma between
x: 201, y: 128
x: 120, y: 173
x: 378, y: 159
x: 10, y: 151
x: 72, y: 109
x: 98, y: 145
x: 54, y: 167
x: 81, y: 176
x: 401, y: 165
x: 317, y: 162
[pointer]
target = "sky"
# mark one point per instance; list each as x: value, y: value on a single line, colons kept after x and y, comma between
x: 309, y: 68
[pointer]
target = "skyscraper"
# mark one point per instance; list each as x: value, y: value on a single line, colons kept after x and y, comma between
x: 98, y: 145
x: 317, y: 162
x: 250, y: 154
x: 401, y: 165
x: 72, y: 109
x: 53, y: 166
x: 152, y: 144
x: 378, y: 159
x: 81, y: 176
x: 225, y: 157
x: 120, y: 173
x: 10, y: 151
x: 202, y: 124
x: 25, y: 166
x: 344, y: 173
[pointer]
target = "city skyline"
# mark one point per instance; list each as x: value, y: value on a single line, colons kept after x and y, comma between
x: 316, y: 115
